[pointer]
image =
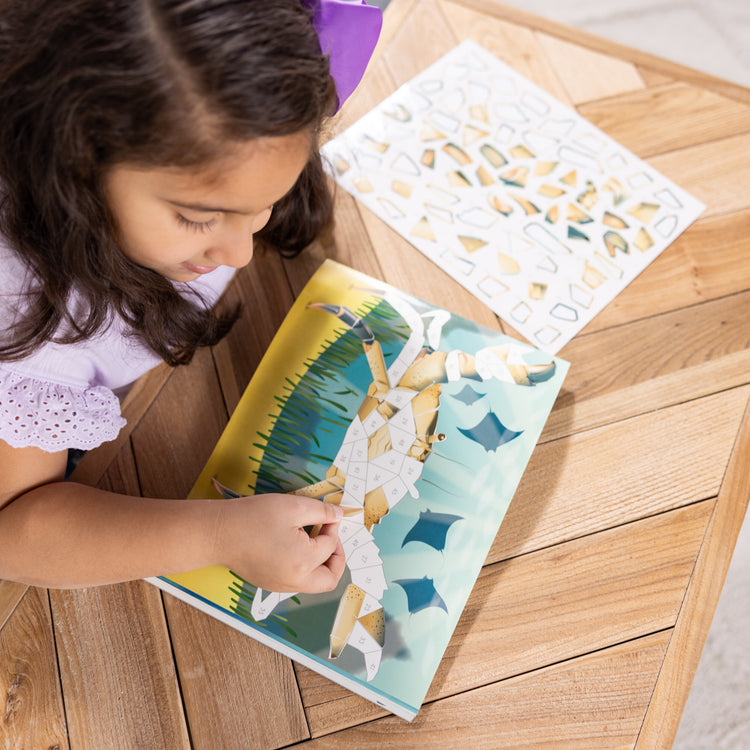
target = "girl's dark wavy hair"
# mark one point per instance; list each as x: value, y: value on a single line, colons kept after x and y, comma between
x: 89, y: 84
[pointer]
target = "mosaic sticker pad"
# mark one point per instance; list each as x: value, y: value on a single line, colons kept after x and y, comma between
x: 419, y: 425
x: 529, y: 206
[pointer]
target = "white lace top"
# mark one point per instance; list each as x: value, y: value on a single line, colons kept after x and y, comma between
x: 65, y: 396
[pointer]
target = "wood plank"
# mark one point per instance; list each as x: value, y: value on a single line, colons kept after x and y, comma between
x: 115, y: 656
x: 652, y: 77
x: 121, y: 476
x: 116, y: 668
x: 394, y: 18
x: 617, y: 473
x: 237, y: 355
x: 380, y: 84
x: 716, y: 173
x: 656, y: 393
x: 11, y: 594
x: 238, y: 693
x: 396, y: 260
x: 683, y: 654
x: 226, y: 707
x: 639, y: 356
x: 31, y: 715
x: 495, y: 9
x: 423, y: 38
x: 94, y: 464
x: 655, y: 347
x: 667, y: 118
x: 539, y: 710
x: 707, y: 262
x: 515, y: 45
x: 588, y: 75
x: 545, y: 607
x: 175, y: 438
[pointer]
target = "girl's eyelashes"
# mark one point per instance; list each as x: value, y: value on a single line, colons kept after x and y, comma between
x: 195, y: 226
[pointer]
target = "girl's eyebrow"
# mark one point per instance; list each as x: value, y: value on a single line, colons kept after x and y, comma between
x: 207, y: 209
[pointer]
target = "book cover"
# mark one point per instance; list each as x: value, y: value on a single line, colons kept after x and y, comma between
x: 419, y: 423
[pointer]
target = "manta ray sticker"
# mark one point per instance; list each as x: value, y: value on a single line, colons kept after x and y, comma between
x: 421, y: 594
x: 490, y: 432
x: 431, y: 528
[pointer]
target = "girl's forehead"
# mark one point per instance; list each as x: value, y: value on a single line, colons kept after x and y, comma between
x: 249, y: 177
x: 252, y: 158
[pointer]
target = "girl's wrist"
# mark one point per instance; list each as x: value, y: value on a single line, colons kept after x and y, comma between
x: 231, y: 534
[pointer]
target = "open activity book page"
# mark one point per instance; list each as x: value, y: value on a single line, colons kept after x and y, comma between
x: 419, y: 423
x: 537, y: 212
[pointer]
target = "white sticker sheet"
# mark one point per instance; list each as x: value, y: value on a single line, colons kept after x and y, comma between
x: 529, y: 206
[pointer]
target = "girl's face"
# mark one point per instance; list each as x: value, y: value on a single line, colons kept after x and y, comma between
x: 184, y: 223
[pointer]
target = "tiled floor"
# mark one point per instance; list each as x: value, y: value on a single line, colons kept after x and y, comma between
x: 712, y: 36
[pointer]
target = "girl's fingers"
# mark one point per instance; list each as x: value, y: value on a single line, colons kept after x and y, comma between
x: 327, y: 574
x: 315, y: 514
x: 326, y: 542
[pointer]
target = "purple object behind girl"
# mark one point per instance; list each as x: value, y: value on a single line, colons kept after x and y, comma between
x: 348, y: 32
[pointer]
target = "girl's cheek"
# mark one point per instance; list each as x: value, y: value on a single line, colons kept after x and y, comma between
x: 261, y: 220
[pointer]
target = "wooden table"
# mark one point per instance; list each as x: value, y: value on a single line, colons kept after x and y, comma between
x: 587, y: 621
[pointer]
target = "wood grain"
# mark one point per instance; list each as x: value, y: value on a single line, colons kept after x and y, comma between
x: 115, y: 655
x: 661, y: 391
x: 425, y: 22
x: 716, y: 173
x: 657, y: 346
x: 140, y: 397
x: 626, y: 470
x: 593, y: 702
x: 237, y: 693
x: 666, y: 118
x: 588, y: 75
x: 116, y: 668
x: 237, y: 355
x: 31, y: 711
x: 11, y: 594
x: 181, y: 428
x: 349, y: 244
x: 683, y: 654
x: 587, y: 621
x: 708, y: 262
x: 415, y: 274
x: 225, y: 705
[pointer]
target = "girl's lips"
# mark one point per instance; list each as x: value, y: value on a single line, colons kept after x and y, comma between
x: 198, y: 269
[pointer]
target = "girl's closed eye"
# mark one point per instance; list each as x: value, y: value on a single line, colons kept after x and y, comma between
x: 195, y: 226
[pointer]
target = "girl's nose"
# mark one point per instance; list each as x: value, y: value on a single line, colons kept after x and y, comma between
x: 235, y: 251
x: 236, y: 248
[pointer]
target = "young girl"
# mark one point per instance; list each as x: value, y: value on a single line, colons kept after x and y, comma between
x: 142, y: 145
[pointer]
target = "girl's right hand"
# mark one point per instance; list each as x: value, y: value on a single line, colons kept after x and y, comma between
x: 262, y: 538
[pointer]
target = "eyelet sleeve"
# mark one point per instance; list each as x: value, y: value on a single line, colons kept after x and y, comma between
x: 55, y: 417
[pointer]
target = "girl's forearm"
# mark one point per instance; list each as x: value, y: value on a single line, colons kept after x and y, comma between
x: 67, y: 535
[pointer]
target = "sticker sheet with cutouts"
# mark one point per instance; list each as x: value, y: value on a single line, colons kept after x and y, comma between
x: 524, y: 202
